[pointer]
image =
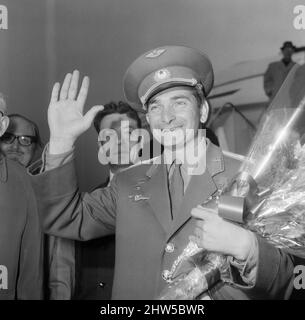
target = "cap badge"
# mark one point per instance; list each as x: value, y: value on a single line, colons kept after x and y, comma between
x: 155, y: 53
x: 161, y: 75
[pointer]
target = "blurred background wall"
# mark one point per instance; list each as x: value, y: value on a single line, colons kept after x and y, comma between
x: 47, y: 38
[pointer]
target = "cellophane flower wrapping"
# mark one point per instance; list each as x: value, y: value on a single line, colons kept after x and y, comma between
x: 276, y: 161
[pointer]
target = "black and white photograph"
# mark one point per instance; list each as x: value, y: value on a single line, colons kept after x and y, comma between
x: 152, y: 150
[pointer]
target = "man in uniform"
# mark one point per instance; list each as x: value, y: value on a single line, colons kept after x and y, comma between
x: 84, y: 270
x: 148, y: 206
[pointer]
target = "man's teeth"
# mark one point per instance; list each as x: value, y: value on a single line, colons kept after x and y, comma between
x: 170, y: 129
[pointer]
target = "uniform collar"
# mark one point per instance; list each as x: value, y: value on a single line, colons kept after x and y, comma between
x: 200, y: 187
x: 214, y: 160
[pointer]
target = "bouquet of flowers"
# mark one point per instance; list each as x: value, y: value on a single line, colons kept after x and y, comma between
x: 269, y: 188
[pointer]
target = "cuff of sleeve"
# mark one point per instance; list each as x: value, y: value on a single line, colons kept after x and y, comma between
x: 50, y: 161
x: 57, y: 182
x: 246, y: 269
x: 266, y: 271
x: 243, y: 273
x: 49, y: 182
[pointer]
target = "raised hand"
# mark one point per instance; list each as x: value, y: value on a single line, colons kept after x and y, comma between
x: 65, y: 113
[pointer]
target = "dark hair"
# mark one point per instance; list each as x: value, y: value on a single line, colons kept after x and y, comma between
x: 113, y: 107
x: 36, y: 130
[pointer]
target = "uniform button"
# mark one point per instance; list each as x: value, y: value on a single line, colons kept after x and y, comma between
x: 166, y: 275
x: 102, y: 284
x: 170, y: 247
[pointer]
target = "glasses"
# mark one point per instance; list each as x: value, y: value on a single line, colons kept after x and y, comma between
x: 26, y: 141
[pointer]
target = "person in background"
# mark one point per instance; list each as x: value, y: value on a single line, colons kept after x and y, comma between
x: 277, y: 71
x: 21, y: 141
x: 21, y: 238
x: 95, y: 258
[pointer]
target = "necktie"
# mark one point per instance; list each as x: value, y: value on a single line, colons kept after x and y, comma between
x: 176, y: 187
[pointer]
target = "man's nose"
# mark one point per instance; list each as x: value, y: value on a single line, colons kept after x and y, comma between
x: 168, y: 114
x: 15, y: 145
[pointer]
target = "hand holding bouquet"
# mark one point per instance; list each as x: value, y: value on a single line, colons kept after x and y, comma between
x: 270, y: 188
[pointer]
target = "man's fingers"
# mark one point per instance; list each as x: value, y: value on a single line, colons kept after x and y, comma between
x: 55, y: 91
x: 194, y: 239
x: 82, y: 96
x: 199, y: 241
x: 73, y: 85
x: 65, y: 87
x: 198, y: 232
x: 89, y: 116
x: 200, y: 224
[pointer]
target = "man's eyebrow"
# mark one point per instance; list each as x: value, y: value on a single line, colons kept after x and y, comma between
x: 152, y: 100
x: 178, y: 96
x: 181, y: 96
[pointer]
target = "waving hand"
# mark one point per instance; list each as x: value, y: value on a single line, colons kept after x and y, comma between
x: 65, y: 114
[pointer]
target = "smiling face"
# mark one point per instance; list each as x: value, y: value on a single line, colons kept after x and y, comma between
x: 174, y: 116
x: 16, y: 151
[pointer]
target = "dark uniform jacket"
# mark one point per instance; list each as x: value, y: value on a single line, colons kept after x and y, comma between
x: 21, y: 245
x: 94, y: 267
x: 136, y: 207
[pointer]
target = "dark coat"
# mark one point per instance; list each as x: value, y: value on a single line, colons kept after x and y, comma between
x: 21, y: 249
x: 136, y: 207
x: 275, y: 76
x: 94, y: 268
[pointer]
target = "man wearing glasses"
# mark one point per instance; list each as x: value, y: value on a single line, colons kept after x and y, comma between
x: 21, y: 142
x: 21, y: 249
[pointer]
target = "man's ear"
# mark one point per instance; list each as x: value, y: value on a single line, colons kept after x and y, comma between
x: 204, y: 111
x: 147, y: 118
x: 4, y: 122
